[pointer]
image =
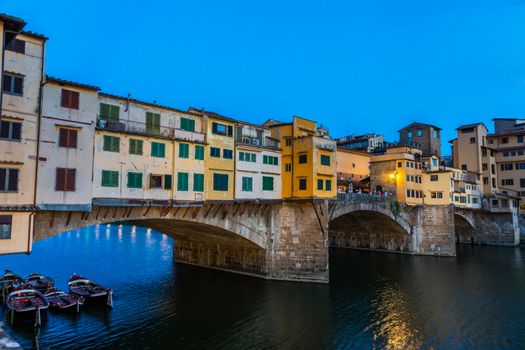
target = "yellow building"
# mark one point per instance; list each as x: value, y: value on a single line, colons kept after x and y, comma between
x: 399, y: 171
x: 219, y: 173
x: 437, y: 187
x: 352, y: 168
x: 308, y: 160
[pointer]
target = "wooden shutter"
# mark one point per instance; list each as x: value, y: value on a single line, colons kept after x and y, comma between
x: 105, y: 178
x: 114, y: 112
x: 62, y: 137
x: 75, y: 99
x: 18, y: 85
x: 104, y: 111
x: 70, y: 180
x: 73, y: 136
x: 65, y: 98
x: 7, y: 81
x: 13, y: 180
x: 167, y: 181
x: 60, y: 179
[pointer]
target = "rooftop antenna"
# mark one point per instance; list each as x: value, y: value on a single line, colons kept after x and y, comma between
x: 127, y: 102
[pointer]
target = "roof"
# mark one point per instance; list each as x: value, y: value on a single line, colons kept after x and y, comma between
x: 507, y: 119
x: 211, y: 114
x: 34, y: 35
x: 346, y: 150
x: 473, y: 125
x: 507, y: 133
x: 411, y: 125
x: 452, y: 141
x: 150, y: 104
x: 72, y: 83
x: 12, y: 23
x: 252, y: 124
x: 273, y: 122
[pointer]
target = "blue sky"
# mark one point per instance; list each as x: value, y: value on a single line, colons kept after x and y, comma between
x: 354, y: 66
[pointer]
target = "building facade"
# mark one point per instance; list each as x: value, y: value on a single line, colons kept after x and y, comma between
x: 424, y: 136
x: 364, y: 143
x: 353, y: 170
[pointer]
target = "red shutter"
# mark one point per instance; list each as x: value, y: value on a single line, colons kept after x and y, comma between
x: 64, y: 101
x: 62, y: 137
x: 73, y: 138
x: 60, y: 179
x: 70, y: 180
x: 75, y: 99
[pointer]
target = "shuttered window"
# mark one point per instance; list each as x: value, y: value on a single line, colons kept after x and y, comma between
x: 109, y: 112
x: 267, y: 183
x: 220, y: 182
x: 110, y: 178
x: 16, y: 45
x: 221, y: 129
x: 70, y: 99
x: 187, y: 124
x: 168, y: 180
x: 247, y: 184
x: 184, y: 150
x: 182, y: 181
x: 67, y: 138
x: 158, y: 149
x: 135, y: 146
x: 65, y: 179
x: 328, y: 185
x: 320, y: 184
x: 227, y: 154
x: 270, y: 160
x: 199, y: 152
x: 303, y: 159
x: 215, y: 152
x: 10, y: 130
x: 153, y: 123
x: 325, y: 160
x: 134, y: 180
x: 198, y: 182
x: 9, y: 179
x: 111, y: 143
x: 6, y: 224
x: 155, y: 181
x: 302, y: 184
x: 13, y: 84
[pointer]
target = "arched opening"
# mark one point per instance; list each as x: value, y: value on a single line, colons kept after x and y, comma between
x: 368, y: 230
x: 463, y: 229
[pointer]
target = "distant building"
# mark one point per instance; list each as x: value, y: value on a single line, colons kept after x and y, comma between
x: 353, y: 169
x: 365, y: 143
x: 427, y: 137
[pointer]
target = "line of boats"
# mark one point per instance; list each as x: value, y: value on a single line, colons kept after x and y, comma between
x: 29, y: 299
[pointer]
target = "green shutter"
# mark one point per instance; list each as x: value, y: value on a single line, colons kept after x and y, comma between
x: 247, y: 184
x: 158, y: 149
x: 109, y: 178
x: 111, y: 143
x: 325, y: 160
x: 182, y: 181
x: 199, y: 152
x: 267, y: 183
x: 241, y: 156
x: 167, y: 181
x: 152, y: 123
x: 254, y: 158
x: 109, y: 112
x: 114, y: 112
x: 104, y: 111
x: 220, y: 182
x: 184, y: 150
x: 134, y: 180
x: 265, y: 159
x: 135, y: 146
x: 198, y: 182
x: 328, y: 185
x: 187, y: 124
x: 320, y: 184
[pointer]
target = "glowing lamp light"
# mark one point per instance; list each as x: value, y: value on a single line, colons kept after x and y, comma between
x: 392, y: 176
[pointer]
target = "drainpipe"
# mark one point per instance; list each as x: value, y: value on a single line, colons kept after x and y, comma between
x: 40, y: 98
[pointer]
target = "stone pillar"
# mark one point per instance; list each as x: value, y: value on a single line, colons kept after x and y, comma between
x: 297, y: 247
x: 433, y: 230
x: 501, y: 229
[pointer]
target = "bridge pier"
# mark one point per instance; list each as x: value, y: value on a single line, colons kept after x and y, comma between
x: 486, y: 228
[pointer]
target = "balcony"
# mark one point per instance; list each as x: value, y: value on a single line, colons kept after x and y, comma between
x: 265, y: 142
x: 133, y: 127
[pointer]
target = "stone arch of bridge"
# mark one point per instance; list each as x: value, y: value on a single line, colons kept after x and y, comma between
x: 464, y: 226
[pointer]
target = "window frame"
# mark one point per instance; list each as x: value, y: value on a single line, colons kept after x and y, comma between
x: 12, y: 79
x: 7, y: 180
x: 10, y: 130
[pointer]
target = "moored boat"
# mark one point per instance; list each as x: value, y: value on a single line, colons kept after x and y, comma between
x: 26, y: 304
x: 60, y: 300
x: 89, y: 290
x: 40, y: 282
x: 9, y: 281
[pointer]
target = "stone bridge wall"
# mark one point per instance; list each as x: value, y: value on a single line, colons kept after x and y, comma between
x: 482, y: 227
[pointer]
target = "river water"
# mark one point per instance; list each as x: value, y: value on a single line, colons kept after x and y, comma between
x: 374, y: 300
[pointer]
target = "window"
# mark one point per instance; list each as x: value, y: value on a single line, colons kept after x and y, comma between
x: 267, y: 183
x: 320, y: 184
x: 434, y: 177
x: 288, y: 167
x: 271, y: 160
x: 155, y: 181
x: 221, y: 129
x: 302, y: 184
x: 158, y: 149
x: 65, y: 179
x: 463, y: 166
x: 436, y: 134
x: 408, y: 193
x: 10, y: 130
x: 109, y: 112
x: 70, y: 99
x: 135, y: 146
x: 184, y: 150
x: 303, y: 158
x: 485, y: 180
x: 419, y: 132
x: 493, y: 182
x: 111, y: 143
x: 198, y: 182
x: 220, y: 182
x: 6, y: 223
x: 436, y: 195
x: 484, y: 152
x: 227, y: 153
x: 491, y: 141
x: 409, y: 136
x: 152, y: 123
x: 182, y: 181
x: 506, y: 166
x: 199, y: 152
x: 484, y: 166
x: 328, y: 186
x: 472, y: 140
x: 408, y: 178
x: 168, y: 181
x: 505, y: 140
x: 16, y: 45
x: 9, y: 180
x: 288, y: 141
x: 325, y: 160
x: 493, y: 169
x: 187, y: 124
x: 434, y: 162
x: 520, y: 153
x: 507, y: 182
x: 134, y: 180
x: 247, y: 184
x: 399, y: 164
x: 215, y: 152
x: 13, y: 84
x: 520, y: 166
x: 109, y: 178
x: 506, y: 154
x: 247, y: 157
x: 519, y: 139
x: 522, y: 183
x: 67, y: 138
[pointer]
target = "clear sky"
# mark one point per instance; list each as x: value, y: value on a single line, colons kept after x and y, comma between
x: 355, y: 66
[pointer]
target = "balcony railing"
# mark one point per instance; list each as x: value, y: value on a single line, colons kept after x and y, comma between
x: 254, y: 141
x: 351, y: 198
x: 140, y: 128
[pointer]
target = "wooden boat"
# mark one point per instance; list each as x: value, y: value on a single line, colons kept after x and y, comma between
x: 9, y: 281
x: 60, y: 300
x: 40, y: 282
x: 89, y: 290
x: 26, y: 304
